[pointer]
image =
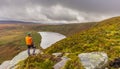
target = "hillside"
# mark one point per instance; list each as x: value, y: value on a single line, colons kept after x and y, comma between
x: 105, y: 36
x: 102, y: 37
x: 12, y: 35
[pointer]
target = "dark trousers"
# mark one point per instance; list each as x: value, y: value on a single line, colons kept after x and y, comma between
x: 29, y: 47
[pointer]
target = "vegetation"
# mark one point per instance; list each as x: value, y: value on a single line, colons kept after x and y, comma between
x: 38, y: 62
x: 104, y: 37
x: 12, y: 36
x: 73, y: 63
x: 14, y: 43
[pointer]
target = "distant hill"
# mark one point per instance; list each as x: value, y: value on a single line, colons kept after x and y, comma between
x: 13, y: 22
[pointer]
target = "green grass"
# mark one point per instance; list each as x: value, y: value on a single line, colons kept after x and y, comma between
x: 73, y: 62
x: 104, y: 37
x: 38, y: 62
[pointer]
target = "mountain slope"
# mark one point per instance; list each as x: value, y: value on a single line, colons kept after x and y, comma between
x: 105, y: 36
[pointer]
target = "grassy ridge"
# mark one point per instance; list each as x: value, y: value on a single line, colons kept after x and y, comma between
x: 104, y: 37
x: 101, y: 38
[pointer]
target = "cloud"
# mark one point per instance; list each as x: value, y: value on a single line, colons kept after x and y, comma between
x: 58, y: 11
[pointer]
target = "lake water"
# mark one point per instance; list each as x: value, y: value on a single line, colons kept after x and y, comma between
x: 49, y: 38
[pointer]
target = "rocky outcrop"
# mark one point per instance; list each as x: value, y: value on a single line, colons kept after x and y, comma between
x: 21, y: 56
x: 5, y: 64
x: 57, y: 54
x: 93, y: 60
x: 61, y: 64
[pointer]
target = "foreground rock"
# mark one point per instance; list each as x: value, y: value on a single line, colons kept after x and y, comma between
x: 61, y: 64
x: 57, y: 54
x: 21, y: 56
x: 94, y: 60
x: 5, y: 64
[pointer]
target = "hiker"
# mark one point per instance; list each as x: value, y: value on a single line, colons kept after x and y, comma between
x: 29, y: 43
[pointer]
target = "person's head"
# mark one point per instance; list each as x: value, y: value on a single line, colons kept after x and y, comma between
x: 29, y: 34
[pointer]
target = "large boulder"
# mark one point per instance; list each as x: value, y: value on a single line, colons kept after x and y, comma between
x: 93, y: 60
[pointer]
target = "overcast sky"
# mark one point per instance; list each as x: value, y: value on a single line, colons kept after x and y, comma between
x: 59, y: 11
